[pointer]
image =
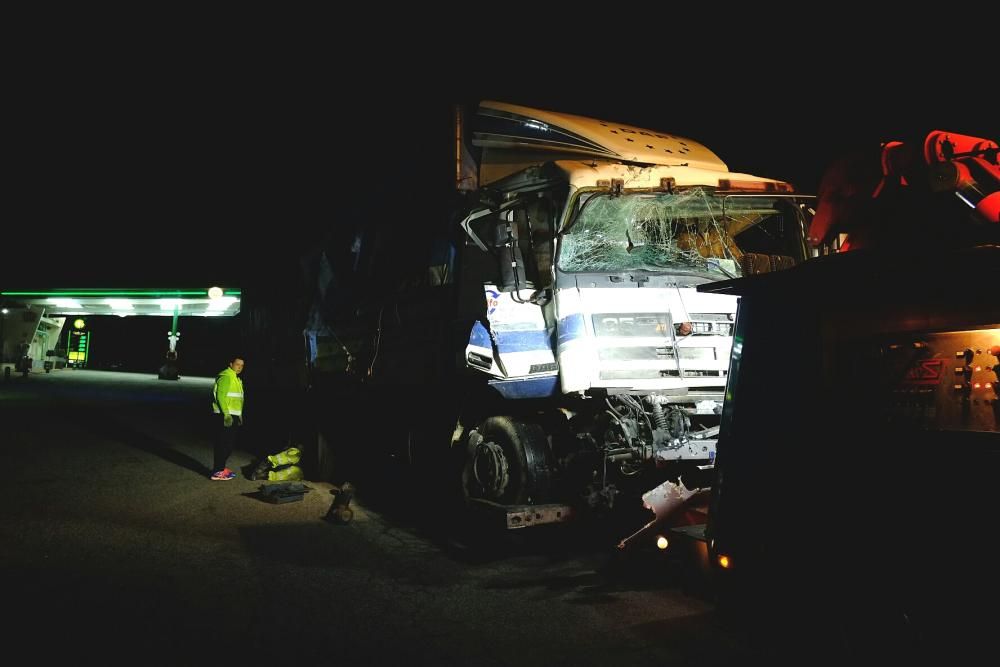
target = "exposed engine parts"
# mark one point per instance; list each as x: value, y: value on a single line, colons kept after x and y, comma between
x: 650, y: 428
x: 641, y: 433
x: 611, y: 445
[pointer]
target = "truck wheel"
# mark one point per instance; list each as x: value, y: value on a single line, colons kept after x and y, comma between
x: 506, y: 462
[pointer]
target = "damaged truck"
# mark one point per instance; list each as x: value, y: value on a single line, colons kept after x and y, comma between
x: 546, y: 351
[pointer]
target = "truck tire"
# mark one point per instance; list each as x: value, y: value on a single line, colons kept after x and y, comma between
x: 506, y: 462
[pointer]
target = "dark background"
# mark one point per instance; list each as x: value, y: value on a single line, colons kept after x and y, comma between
x: 204, y: 166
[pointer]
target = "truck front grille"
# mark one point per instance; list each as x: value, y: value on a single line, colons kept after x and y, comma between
x: 645, y: 353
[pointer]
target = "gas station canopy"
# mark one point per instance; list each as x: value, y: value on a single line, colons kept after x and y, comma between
x: 212, y: 302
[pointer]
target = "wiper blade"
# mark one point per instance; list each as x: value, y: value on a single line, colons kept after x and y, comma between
x: 716, y: 265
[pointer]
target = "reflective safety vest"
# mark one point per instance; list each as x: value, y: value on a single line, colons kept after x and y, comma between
x: 290, y: 456
x: 227, y: 396
x: 284, y: 465
x: 289, y: 473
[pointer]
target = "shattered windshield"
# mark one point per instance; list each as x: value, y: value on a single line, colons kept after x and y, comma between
x: 690, y: 231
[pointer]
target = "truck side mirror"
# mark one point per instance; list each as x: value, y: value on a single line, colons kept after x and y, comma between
x: 480, y: 227
x: 501, y: 239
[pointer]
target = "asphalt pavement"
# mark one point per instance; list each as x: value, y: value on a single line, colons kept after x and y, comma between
x: 115, y: 546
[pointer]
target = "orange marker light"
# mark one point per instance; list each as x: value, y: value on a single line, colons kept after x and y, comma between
x: 724, y: 562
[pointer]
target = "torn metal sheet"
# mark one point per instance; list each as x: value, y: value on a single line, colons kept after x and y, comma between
x: 665, y: 501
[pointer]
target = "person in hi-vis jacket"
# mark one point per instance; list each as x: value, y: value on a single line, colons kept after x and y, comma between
x: 227, y: 403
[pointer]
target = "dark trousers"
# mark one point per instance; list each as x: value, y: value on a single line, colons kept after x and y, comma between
x: 225, y: 440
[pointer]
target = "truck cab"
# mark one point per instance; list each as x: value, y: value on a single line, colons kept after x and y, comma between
x: 553, y: 340
x: 600, y: 235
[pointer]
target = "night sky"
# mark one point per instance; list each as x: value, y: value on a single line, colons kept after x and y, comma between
x: 208, y: 165
x: 221, y: 172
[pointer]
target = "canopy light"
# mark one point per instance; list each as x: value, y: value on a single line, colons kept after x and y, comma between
x: 170, y: 304
x: 222, y: 303
x: 121, y: 292
x: 62, y: 303
x: 213, y: 302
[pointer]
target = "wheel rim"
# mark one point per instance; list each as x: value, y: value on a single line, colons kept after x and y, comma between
x: 490, y: 469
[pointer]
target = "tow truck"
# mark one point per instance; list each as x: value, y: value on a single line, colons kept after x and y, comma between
x: 854, y: 503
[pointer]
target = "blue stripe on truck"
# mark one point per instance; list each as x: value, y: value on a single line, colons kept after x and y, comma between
x: 538, y: 387
x: 511, y: 341
x: 523, y: 341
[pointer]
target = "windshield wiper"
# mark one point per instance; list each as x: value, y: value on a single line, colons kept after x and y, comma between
x: 724, y: 270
